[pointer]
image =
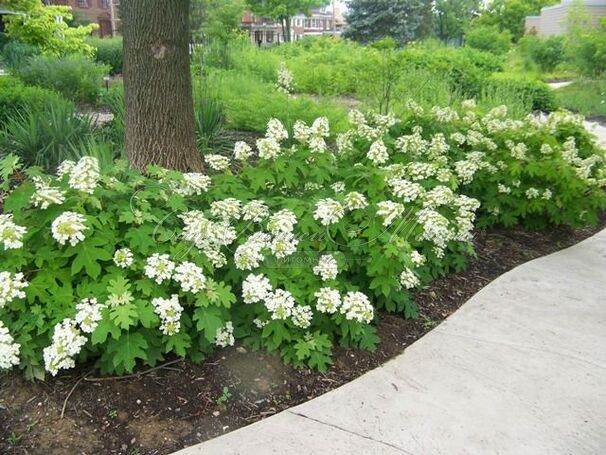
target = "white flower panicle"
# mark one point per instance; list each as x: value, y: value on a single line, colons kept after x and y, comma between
x: 194, y: 184
x: 9, y: 350
x: 249, y: 255
x: 169, y: 311
x: 327, y: 268
x: 409, y: 279
x: 205, y: 234
x: 255, y: 211
x: 417, y: 258
x: 276, y: 130
x: 285, y: 79
x: 88, y: 314
x: 69, y: 227
x: 302, y: 316
x: 328, y: 300
x: 255, y: 288
x: 67, y: 342
x: 405, y: 189
x: 532, y: 193
x: 389, y: 211
x: 227, y: 209
x: 338, y: 187
x: 268, y: 148
x: 46, y: 195
x: 123, y: 258
x: 328, y: 211
x: 355, y: 201
x: 65, y: 168
x: 280, y: 304
x: 159, y: 267
x: 85, y: 175
x: 357, y: 307
x: 217, y: 162
x: 282, y: 221
x: 378, y: 153
x: 11, y: 234
x: 283, y: 244
x: 242, y: 151
x: 225, y: 335
x: 190, y: 277
x: 11, y: 287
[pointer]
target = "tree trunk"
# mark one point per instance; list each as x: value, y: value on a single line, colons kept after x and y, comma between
x: 288, y: 34
x: 159, y: 120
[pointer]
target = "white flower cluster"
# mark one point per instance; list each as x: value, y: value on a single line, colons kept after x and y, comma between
x: 328, y: 211
x: 438, y: 196
x: 302, y: 316
x: 249, y: 255
x: 67, y: 342
x: 242, y: 151
x: 207, y: 235
x: 417, y: 258
x: 226, y: 209
x: 85, y: 175
x: 328, y: 300
x: 169, y: 311
x: 11, y: 287
x: 357, y: 307
x: 409, y: 279
x: 46, y: 195
x: 65, y: 167
x: 225, y: 335
x: 123, y: 258
x: 9, y: 350
x: 283, y: 244
x: 217, y: 162
x: 444, y: 114
x: 88, y: 314
x: 280, y: 304
x: 355, y: 200
x: 282, y: 221
x: 327, y: 268
x: 269, y: 146
x: 285, y: 79
x: 194, y: 183
x: 413, y: 144
x: 190, y: 277
x: 378, y: 153
x: 313, y: 136
x: 389, y: 211
x: 405, y: 189
x: 69, y: 227
x: 255, y: 211
x: 255, y: 288
x: 11, y: 234
x: 159, y: 267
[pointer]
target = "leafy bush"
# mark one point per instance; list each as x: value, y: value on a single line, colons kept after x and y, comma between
x: 16, y: 97
x: 301, y: 229
x: 76, y: 78
x: 546, y: 53
x: 586, y: 47
x: 45, y: 136
x: 108, y: 51
x: 489, y: 39
x: 16, y: 53
x: 536, y: 94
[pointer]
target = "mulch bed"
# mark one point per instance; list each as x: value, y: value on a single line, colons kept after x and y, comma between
x: 178, y: 405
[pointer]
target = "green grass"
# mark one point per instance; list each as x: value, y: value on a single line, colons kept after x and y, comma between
x: 586, y: 96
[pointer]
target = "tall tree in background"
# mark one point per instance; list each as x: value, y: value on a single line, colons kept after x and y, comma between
x: 372, y: 20
x: 216, y: 20
x: 158, y: 97
x: 452, y: 17
x: 510, y: 14
x: 283, y: 10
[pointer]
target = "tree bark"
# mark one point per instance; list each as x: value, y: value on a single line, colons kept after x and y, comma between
x: 159, y: 120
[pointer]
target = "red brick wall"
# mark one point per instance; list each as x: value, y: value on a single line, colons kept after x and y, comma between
x: 96, y: 11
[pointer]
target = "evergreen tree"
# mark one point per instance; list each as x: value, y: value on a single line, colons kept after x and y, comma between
x: 372, y: 20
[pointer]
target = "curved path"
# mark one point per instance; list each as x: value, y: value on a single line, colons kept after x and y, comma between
x: 519, y: 369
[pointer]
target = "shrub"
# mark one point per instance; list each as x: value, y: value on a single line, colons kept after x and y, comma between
x: 16, y: 97
x: 489, y: 39
x: 15, y: 53
x: 108, y: 51
x: 76, y: 78
x: 534, y: 93
x: 586, y: 47
x: 546, y: 53
x: 45, y: 136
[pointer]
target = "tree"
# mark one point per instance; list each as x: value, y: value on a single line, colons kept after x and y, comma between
x: 159, y: 119
x: 510, y: 14
x: 216, y: 20
x: 453, y: 16
x: 38, y: 26
x: 283, y: 10
x: 372, y: 20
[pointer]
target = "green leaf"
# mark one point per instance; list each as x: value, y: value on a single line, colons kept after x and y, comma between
x: 124, y: 316
x: 88, y: 256
x: 105, y: 328
x: 125, y: 350
x: 208, y: 320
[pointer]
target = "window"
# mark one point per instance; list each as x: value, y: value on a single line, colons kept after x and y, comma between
x: 82, y: 3
x: 103, y: 4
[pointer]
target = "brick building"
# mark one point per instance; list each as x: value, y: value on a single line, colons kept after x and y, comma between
x: 553, y: 19
x: 100, y: 12
x: 321, y: 21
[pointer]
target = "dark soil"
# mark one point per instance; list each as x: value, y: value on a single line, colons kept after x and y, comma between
x: 179, y: 405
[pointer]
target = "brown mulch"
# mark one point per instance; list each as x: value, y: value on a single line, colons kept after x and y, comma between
x: 179, y: 405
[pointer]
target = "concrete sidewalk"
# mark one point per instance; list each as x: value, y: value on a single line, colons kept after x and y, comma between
x: 519, y: 369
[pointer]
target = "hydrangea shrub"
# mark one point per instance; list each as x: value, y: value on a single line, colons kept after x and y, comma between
x: 293, y: 252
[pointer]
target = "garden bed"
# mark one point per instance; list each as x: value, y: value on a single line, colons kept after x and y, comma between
x: 182, y: 404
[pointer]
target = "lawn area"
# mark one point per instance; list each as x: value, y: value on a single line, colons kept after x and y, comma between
x: 585, y: 96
